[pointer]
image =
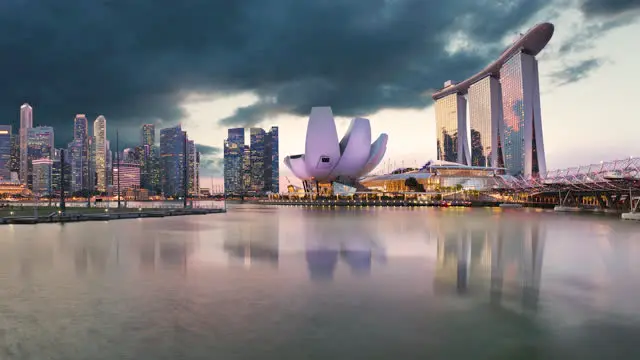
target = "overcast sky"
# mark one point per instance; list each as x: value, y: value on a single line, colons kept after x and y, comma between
x: 214, y: 64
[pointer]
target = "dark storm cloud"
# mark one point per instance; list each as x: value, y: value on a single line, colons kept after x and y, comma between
x: 577, y: 72
x: 208, y: 150
x: 609, y: 7
x: 136, y: 61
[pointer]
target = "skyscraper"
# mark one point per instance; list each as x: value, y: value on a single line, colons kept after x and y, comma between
x: 5, y: 153
x: 42, y: 176
x: 523, y: 145
x: 258, y: 161
x: 451, y: 128
x: 26, y: 122
x: 233, y: 161
x: 485, y: 115
x: 40, y: 142
x: 193, y: 171
x: 148, y: 134
x: 15, y: 154
x: 272, y: 170
x: 172, y: 160
x: 504, y: 102
x: 246, y: 168
x: 100, y: 135
x: 80, y: 154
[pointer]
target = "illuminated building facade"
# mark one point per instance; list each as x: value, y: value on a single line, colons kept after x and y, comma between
x: 39, y: 146
x: 129, y: 176
x: 102, y: 155
x: 42, y: 176
x: 26, y: 122
x: 148, y: 135
x: 258, y: 145
x: 272, y: 161
x: 5, y: 153
x: 172, y: 143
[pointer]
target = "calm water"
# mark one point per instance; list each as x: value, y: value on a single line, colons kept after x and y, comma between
x: 293, y: 283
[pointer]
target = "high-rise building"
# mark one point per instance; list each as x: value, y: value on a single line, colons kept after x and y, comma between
x: 40, y: 142
x: 148, y: 135
x: 109, y: 168
x: 79, y: 154
x: 5, y: 153
x: 26, y: 122
x: 485, y: 120
x: 233, y: 161
x: 451, y: 128
x: 246, y: 168
x: 504, y: 102
x: 154, y: 169
x: 100, y: 135
x: 523, y: 146
x: 172, y: 143
x: 258, y: 160
x: 193, y: 171
x: 42, y: 176
x: 129, y: 176
x: 92, y: 163
x: 272, y: 162
x: 15, y: 154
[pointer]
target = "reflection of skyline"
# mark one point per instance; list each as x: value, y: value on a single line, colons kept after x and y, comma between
x: 331, y: 238
x: 504, y: 260
x: 258, y: 242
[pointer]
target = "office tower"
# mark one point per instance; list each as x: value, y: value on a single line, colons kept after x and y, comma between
x: 155, y: 170
x: 42, y: 176
x: 26, y: 122
x: 172, y: 160
x: 523, y: 145
x: 92, y: 163
x: 5, y: 153
x: 272, y: 162
x: 14, y: 166
x: 485, y: 119
x: 79, y: 154
x: 148, y: 135
x: 128, y: 155
x: 246, y: 168
x: 129, y: 175
x: 100, y: 135
x: 40, y: 142
x: 233, y: 161
x: 451, y: 128
x: 192, y: 168
x: 197, y: 174
x: 257, y: 138
x: 109, y: 167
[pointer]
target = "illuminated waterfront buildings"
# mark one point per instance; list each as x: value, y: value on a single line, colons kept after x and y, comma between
x: 148, y: 135
x: 5, y: 153
x: 504, y: 109
x: 129, y: 176
x: 26, y: 122
x: 42, y: 177
x: 101, y: 158
x: 257, y: 157
x: 79, y: 154
x: 40, y: 145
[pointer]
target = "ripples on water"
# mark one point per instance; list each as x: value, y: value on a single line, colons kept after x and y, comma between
x: 294, y: 283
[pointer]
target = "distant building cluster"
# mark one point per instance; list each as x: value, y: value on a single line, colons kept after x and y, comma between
x: 90, y: 164
x: 254, y: 168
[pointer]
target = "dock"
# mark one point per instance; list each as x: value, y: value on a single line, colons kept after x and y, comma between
x: 114, y: 214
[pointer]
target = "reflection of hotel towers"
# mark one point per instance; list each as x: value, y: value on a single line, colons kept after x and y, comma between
x: 504, y: 111
x: 330, y: 238
x: 171, y: 251
x: 468, y: 256
x: 258, y: 243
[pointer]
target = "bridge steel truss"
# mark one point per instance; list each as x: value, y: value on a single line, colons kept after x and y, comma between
x: 607, y: 182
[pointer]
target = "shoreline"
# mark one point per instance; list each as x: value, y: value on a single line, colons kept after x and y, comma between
x: 399, y: 203
x: 104, y: 216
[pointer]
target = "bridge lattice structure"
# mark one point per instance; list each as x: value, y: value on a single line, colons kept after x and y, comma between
x: 605, y: 177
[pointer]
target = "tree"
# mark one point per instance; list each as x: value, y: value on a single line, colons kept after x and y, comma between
x: 411, y: 183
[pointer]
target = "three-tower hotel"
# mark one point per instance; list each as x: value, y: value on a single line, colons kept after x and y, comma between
x: 503, y: 103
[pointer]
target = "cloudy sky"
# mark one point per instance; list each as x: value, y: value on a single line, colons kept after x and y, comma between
x: 214, y: 64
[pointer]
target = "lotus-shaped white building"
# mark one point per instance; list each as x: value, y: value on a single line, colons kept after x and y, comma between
x: 325, y: 158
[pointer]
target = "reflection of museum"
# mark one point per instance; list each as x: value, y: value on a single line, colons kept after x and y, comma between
x: 502, y: 264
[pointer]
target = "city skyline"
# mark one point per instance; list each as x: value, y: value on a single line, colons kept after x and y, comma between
x: 417, y: 47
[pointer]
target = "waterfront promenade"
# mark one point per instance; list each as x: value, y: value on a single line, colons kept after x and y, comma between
x: 33, y: 214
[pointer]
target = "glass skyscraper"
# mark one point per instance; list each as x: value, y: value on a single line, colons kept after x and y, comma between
x: 233, y: 161
x: 148, y: 134
x: 522, y: 127
x: 485, y: 118
x: 26, y: 122
x: 39, y: 146
x: 272, y: 171
x: 258, y: 159
x: 172, y: 142
x: 5, y: 153
x: 102, y: 156
x: 451, y: 129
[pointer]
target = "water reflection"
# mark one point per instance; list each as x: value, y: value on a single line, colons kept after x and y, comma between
x: 503, y: 260
x: 330, y: 237
x: 257, y: 243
